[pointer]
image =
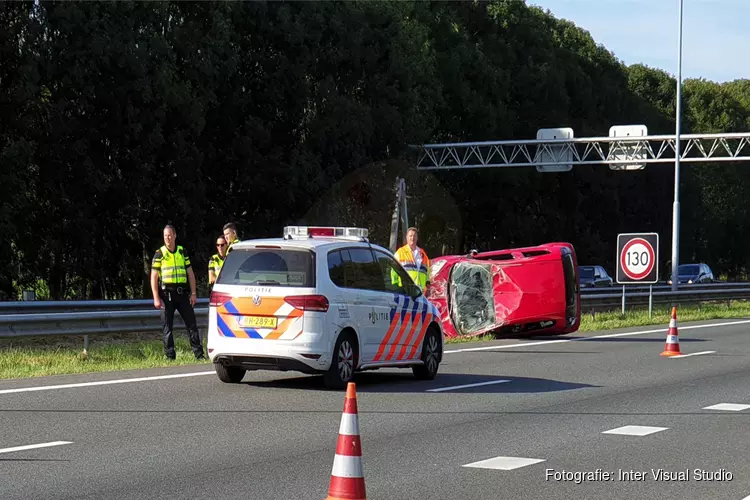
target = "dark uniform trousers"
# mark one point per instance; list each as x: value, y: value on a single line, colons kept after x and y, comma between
x: 177, y: 298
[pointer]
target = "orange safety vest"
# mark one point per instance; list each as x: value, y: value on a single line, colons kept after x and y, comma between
x: 420, y: 274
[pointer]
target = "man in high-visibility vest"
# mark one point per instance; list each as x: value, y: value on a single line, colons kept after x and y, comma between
x: 171, y: 273
x: 230, y: 234
x: 217, y: 259
x: 414, y: 259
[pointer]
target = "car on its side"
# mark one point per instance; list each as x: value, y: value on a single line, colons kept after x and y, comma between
x: 319, y: 300
x: 594, y: 277
x: 533, y: 290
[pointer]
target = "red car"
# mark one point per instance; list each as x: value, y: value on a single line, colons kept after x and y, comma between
x: 532, y: 290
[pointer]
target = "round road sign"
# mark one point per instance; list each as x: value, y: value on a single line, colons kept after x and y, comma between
x: 637, y: 258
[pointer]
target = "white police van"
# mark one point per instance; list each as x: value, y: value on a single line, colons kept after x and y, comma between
x: 319, y: 300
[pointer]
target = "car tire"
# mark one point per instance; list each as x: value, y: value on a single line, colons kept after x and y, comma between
x: 343, y: 362
x: 229, y: 374
x: 430, y: 356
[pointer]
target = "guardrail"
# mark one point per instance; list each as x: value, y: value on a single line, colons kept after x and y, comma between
x: 599, y: 302
x: 662, y: 286
x: 65, y: 306
x: 32, y: 318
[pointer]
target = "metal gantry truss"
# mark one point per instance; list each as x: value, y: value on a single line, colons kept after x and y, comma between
x: 620, y: 153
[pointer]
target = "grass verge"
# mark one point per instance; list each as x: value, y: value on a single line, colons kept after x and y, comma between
x: 42, y: 356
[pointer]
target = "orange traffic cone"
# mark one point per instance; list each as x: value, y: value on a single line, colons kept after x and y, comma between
x: 672, y: 347
x: 347, y: 477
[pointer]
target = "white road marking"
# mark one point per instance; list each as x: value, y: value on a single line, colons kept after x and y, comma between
x: 504, y: 463
x: 692, y: 354
x: 727, y: 407
x: 486, y: 348
x: 635, y: 430
x: 611, y: 335
x: 34, y: 446
x: 440, y: 389
x: 102, y: 382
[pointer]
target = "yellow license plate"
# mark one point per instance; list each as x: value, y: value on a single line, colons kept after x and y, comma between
x: 259, y: 321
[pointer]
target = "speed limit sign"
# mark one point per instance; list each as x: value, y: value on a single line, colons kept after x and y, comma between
x: 637, y: 258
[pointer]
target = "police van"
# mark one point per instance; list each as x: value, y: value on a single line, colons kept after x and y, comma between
x: 319, y: 300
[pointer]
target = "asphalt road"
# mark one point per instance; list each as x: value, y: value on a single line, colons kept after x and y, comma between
x: 274, y: 436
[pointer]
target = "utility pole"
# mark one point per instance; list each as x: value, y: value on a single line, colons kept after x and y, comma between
x: 676, y: 205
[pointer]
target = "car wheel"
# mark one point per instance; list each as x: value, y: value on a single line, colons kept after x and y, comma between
x: 229, y: 374
x: 430, y: 356
x: 343, y: 362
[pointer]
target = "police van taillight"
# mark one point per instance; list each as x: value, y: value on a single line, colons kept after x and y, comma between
x: 308, y: 302
x: 218, y: 299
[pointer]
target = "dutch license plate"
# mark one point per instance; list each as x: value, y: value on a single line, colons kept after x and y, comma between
x: 259, y: 321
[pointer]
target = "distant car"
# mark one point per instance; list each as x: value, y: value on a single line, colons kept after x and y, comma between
x: 693, y: 273
x: 594, y: 277
x: 521, y: 290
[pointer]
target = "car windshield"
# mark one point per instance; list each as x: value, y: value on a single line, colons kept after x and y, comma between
x: 270, y: 267
x: 586, y: 272
x: 689, y: 269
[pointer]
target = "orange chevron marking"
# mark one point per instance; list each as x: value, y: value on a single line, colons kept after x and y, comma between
x: 391, y: 329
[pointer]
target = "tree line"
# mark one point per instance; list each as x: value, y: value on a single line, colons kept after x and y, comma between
x: 117, y: 118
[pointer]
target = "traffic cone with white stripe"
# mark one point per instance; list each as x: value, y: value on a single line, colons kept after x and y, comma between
x: 672, y: 347
x: 347, y: 477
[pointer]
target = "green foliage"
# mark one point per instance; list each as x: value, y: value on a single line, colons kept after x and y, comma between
x: 121, y: 117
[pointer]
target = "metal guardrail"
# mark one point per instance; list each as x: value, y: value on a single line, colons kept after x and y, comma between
x: 32, y: 318
x: 91, y: 322
x: 663, y: 286
x: 64, y: 306
x: 600, y: 302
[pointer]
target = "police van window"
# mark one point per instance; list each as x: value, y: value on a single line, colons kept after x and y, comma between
x: 271, y: 267
x: 336, y: 268
x: 367, y: 272
x: 392, y: 275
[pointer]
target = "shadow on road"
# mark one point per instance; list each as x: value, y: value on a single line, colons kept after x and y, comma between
x: 394, y: 382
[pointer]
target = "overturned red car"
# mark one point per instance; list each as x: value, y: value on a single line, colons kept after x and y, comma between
x: 533, y: 290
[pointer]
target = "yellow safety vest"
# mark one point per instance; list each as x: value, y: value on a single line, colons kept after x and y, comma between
x: 229, y: 247
x: 172, y: 267
x: 215, y: 263
x: 421, y: 274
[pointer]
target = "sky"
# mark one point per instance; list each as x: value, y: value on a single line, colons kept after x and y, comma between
x: 646, y: 31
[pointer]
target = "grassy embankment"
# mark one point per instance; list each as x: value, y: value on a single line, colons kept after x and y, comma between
x: 35, y: 357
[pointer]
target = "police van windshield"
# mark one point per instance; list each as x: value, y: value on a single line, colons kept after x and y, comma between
x: 268, y: 267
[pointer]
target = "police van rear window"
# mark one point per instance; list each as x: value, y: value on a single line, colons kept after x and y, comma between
x: 268, y: 267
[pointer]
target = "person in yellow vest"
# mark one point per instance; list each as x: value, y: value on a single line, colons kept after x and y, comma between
x: 230, y: 234
x: 414, y: 259
x: 171, y: 274
x: 217, y: 260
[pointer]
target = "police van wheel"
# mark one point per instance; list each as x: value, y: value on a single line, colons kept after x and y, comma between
x: 343, y: 363
x: 430, y: 356
x: 229, y: 374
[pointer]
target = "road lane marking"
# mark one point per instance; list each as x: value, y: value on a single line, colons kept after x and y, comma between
x: 504, y: 463
x: 635, y: 430
x: 611, y: 335
x: 485, y: 348
x: 727, y: 407
x: 34, y: 446
x: 478, y: 384
x: 102, y: 382
x: 692, y: 354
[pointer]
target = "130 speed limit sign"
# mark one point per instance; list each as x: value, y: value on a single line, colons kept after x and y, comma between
x: 637, y: 258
